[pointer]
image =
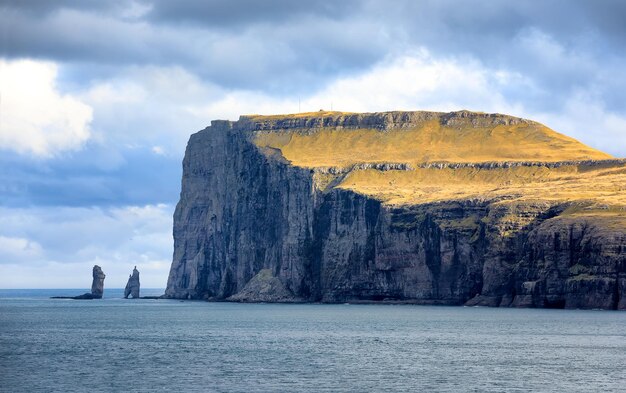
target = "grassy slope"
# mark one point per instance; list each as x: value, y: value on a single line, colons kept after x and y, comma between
x: 429, y: 142
x: 599, y: 187
x: 568, y: 183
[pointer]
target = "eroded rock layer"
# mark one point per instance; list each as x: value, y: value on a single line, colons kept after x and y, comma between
x: 259, y: 220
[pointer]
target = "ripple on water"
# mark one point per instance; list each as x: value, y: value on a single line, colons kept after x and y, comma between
x: 147, y: 345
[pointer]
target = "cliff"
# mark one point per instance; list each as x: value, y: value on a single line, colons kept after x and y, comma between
x: 420, y: 207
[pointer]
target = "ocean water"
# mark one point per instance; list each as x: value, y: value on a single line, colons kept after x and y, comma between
x: 120, y: 345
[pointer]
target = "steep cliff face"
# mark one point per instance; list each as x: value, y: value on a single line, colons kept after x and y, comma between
x: 259, y: 221
x: 239, y: 212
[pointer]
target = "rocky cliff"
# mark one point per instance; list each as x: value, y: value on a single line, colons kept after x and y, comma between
x: 421, y: 207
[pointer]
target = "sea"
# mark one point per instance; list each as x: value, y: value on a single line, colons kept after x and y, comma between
x: 142, y: 345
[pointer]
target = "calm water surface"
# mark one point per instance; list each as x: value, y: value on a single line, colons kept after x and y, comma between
x: 165, y: 345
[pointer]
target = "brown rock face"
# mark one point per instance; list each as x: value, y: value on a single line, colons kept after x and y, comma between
x: 251, y: 226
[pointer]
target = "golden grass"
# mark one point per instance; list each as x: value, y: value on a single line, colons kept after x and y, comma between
x: 596, y: 195
x: 600, y: 189
x: 320, y: 113
x: 429, y: 142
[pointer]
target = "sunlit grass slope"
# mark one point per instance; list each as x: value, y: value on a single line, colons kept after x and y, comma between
x: 430, y: 141
x: 599, y: 186
x: 471, y: 142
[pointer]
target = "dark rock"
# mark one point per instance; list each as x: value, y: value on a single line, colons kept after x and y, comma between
x: 97, y: 287
x: 84, y: 296
x: 132, y: 286
x: 265, y: 287
x: 249, y: 227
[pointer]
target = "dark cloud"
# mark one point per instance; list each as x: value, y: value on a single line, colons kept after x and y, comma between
x: 235, y: 14
x: 473, y: 25
x: 84, y: 179
x: 293, y: 47
x: 562, y: 46
x: 41, y: 8
x: 282, y: 56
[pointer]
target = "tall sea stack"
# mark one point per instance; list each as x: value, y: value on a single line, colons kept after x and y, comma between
x: 421, y: 207
x: 132, y: 286
x: 97, y: 285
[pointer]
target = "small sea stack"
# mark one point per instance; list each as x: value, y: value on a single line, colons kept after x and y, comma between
x: 97, y: 287
x: 132, y: 287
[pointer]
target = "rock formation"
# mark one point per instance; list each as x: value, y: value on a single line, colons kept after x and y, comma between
x: 132, y: 286
x: 264, y: 287
x: 97, y: 287
x: 422, y: 207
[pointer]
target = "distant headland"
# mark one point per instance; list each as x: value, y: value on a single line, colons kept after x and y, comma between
x: 459, y: 208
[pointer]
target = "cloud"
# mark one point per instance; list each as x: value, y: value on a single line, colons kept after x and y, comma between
x: 18, y: 249
x: 226, y: 13
x: 587, y: 119
x: 284, y: 47
x: 143, y: 107
x: 35, y: 118
x: 158, y: 150
x: 416, y: 81
x: 280, y: 56
x: 421, y: 81
x: 42, y: 8
x: 98, y: 175
x: 115, y: 238
x: 140, y: 127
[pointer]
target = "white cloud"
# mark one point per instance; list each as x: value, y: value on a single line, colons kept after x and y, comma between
x: 18, y: 249
x: 149, y: 108
x: 35, y: 117
x: 156, y: 108
x: 66, y: 242
x: 419, y: 81
x: 135, y: 10
x: 415, y: 81
x: 585, y: 118
x: 153, y: 107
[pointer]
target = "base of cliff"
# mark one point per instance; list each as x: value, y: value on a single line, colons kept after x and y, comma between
x: 265, y: 287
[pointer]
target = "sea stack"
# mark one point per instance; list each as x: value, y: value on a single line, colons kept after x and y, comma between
x: 97, y: 285
x: 132, y: 287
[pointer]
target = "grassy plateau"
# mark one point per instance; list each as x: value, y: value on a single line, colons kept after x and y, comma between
x: 457, y: 156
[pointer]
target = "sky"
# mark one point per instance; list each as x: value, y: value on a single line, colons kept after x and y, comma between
x: 98, y: 99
